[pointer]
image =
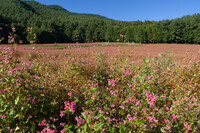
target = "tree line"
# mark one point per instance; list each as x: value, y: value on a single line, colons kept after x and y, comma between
x: 51, y: 24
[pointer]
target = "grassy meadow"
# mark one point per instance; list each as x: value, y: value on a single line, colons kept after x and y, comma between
x: 92, y: 90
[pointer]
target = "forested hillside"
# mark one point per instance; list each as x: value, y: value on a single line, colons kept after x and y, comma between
x: 55, y: 24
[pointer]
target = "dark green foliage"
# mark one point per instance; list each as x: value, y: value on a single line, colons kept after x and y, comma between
x: 55, y: 24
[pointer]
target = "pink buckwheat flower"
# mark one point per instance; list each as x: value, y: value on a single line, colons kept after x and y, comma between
x: 128, y: 115
x: 69, y: 106
x: 151, y: 99
x: 138, y: 103
x: 4, y: 90
x: 129, y: 100
x: 2, y: 116
x: 162, y: 96
x: 10, y: 130
x: 69, y: 94
x: 43, y: 123
x: 112, y: 105
x: 167, y: 127
x: 126, y: 72
x: 13, y: 29
x: 62, y: 113
x: 112, y: 82
x: 64, y: 130
x: 63, y: 124
x: 167, y: 121
x: 48, y: 130
x: 12, y: 40
x: 187, y: 126
x: 174, y: 117
x: 79, y: 121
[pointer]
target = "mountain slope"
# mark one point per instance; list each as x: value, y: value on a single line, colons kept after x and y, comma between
x: 51, y: 19
x: 33, y: 8
x: 52, y: 23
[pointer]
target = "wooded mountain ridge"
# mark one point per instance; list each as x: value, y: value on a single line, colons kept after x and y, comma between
x: 52, y: 23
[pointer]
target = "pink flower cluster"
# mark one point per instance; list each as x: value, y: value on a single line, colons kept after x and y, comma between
x: 151, y: 99
x: 112, y: 82
x: 2, y: 116
x: 4, y: 90
x: 69, y: 106
x: 79, y: 121
x: 62, y: 113
x: 112, y: 92
x: 187, y: 126
x: 48, y: 130
x: 62, y: 124
x: 166, y: 121
x: 174, y: 117
x: 152, y: 119
x: 1, y: 39
x: 13, y: 29
x: 138, y: 103
x: 126, y: 72
x: 130, y: 118
x: 69, y: 94
x: 130, y: 100
x: 94, y: 85
x: 122, y: 35
x: 64, y: 130
x: 43, y: 123
x: 11, y: 39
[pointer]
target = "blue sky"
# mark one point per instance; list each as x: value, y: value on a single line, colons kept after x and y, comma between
x: 131, y: 10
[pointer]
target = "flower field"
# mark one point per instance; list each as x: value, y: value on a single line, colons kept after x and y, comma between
x: 100, y: 89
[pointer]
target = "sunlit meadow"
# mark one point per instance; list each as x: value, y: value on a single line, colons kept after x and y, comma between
x: 94, y: 92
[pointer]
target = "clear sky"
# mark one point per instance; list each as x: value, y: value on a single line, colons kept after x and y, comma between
x: 131, y: 10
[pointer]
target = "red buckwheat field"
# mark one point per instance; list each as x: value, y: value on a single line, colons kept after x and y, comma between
x: 134, y: 70
x: 146, y: 87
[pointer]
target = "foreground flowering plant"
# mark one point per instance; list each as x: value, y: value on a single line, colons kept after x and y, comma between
x: 97, y: 94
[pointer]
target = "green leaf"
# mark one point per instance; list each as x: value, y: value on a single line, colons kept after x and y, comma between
x: 76, y: 100
x: 85, y: 128
x: 17, y: 128
x: 146, y: 60
x: 121, y: 112
x: 52, y: 125
x: 98, y: 126
x: 99, y: 115
x: 16, y: 100
x: 35, y: 111
x: 170, y: 54
x: 11, y: 112
x: 114, y: 98
x: 122, y: 128
x: 139, y: 121
x: 106, y: 107
x: 161, y: 55
x: 18, y: 115
x: 2, y: 110
x: 93, y: 89
x: 123, y: 61
x: 111, y: 129
x: 88, y: 102
x: 68, y: 126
